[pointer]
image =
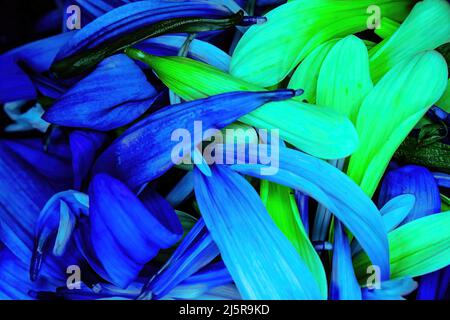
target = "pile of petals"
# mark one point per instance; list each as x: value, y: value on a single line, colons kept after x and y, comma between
x: 228, y: 150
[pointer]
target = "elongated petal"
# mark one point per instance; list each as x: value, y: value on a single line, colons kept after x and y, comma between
x: 414, y: 180
x: 157, y: 134
x: 317, y: 131
x: 391, y: 110
x: 115, y: 94
x: 344, y: 78
x: 267, y: 53
x: 135, y: 22
x: 262, y: 262
x: 332, y: 188
x: 433, y: 286
x: 122, y: 226
x: 416, y: 248
x: 426, y: 28
x: 344, y: 285
x: 199, y: 50
x: 442, y: 179
x: 196, y: 250
x: 307, y: 73
x: 38, y: 55
x: 396, y: 210
x: 280, y: 203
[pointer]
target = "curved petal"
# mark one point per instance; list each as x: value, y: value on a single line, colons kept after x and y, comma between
x: 125, y: 235
x: 262, y: 262
x: 114, y: 94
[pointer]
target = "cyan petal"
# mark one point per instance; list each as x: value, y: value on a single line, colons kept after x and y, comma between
x: 335, y: 191
x: 344, y: 285
x: 114, y: 94
x: 261, y: 260
x: 396, y: 210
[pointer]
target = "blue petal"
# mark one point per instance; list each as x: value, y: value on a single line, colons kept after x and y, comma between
x: 333, y: 189
x: 442, y: 179
x: 303, y: 207
x: 182, y: 190
x: 38, y: 55
x: 53, y: 164
x: 391, y: 290
x: 344, y: 285
x: 114, y: 94
x: 125, y: 235
x: 144, y: 151
x: 195, y: 251
x: 414, y: 180
x: 129, y: 19
x: 84, y: 146
x: 196, y: 286
x: 262, y: 262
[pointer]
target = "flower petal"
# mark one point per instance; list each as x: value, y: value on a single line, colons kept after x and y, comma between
x: 344, y: 78
x: 262, y: 262
x: 157, y: 134
x: 425, y: 28
x: 122, y: 226
x: 114, y: 94
x: 391, y: 110
x: 267, y: 53
x: 414, y: 180
x: 312, y: 129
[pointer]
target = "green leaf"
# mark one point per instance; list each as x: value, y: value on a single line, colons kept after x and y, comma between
x: 267, y: 53
x: 433, y: 156
x: 344, y: 78
x: 280, y: 203
x: 315, y: 130
x: 391, y: 110
x: 426, y: 28
x: 416, y: 248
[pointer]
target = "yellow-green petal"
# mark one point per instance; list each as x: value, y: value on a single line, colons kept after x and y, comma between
x: 426, y: 28
x: 416, y: 248
x: 344, y: 78
x: 280, y: 203
x: 315, y: 130
x: 267, y: 53
x: 391, y: 110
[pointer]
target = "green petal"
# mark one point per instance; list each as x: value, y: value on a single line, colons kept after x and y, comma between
x: 391, y: 110
x: 426, y: 28
x: 307, y: 73
x: 267, y: 53
x: 416, y: 248
x: 444, y: 101
x: 344, y: 79
x: 386, y: 28
x: 315, y: 130
x: 280, y: 203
